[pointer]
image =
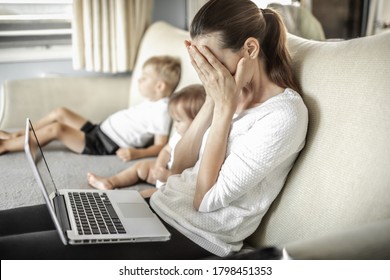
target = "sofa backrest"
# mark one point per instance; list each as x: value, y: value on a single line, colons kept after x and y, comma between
x: 162, y: 39
x: 342, y: 177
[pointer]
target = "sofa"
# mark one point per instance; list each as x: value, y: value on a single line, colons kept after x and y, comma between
x: 336, y: 200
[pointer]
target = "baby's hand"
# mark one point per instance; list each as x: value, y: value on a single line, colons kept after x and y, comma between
x: 161, y: 173
x: 126, y: 154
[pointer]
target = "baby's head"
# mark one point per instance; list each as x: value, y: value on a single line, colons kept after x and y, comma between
x: 184, y: 105
x: 160, y: 77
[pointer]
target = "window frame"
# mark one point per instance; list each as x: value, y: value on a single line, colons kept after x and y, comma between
x: 41, y: 42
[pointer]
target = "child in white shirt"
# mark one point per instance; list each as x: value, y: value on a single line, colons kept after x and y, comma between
x: 183, y: 107
x: 125, y: 133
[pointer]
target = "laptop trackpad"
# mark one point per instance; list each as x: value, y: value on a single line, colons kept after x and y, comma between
x: 135, y: 210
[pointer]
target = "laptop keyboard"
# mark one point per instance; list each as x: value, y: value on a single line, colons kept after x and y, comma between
x: 94, y: 214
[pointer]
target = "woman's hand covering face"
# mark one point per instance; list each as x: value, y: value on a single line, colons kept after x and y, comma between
x: 220, y: 84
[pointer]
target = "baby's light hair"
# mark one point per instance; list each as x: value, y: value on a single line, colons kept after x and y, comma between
x: 167, y: 67
x: 190, y: 98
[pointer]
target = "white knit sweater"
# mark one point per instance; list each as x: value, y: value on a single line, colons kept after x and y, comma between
x: 263, y: 144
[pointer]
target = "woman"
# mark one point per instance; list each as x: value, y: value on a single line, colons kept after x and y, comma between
x: 234, y: 159
x: 248, y: 133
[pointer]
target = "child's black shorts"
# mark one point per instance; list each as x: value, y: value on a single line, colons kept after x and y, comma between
x: 96, y: 142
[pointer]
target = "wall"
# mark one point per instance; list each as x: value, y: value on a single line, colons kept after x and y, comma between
x: 171, y: 11
x: 340, y: 19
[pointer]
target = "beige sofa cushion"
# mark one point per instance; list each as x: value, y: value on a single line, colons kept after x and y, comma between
x: 342, y: 177
x: 162, y: 39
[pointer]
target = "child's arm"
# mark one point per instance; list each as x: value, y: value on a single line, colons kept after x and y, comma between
x: 160, y: 169
x: 163, y: 157
x: 127, y: 154
x: 161, y: 173
x: 187, y: 149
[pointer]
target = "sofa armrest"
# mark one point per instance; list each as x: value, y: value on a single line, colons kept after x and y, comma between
x: 92, y: 97
x: 366, y: 242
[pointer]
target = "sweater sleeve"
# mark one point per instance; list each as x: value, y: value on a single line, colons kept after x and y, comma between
x: 252, y: 155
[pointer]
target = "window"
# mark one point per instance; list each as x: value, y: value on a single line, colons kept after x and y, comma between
x: 39, y: 25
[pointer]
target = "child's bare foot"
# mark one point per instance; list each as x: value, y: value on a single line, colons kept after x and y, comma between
x: 98, y: 182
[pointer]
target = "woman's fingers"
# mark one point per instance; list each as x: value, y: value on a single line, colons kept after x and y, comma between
x: 201, y: 61
x: 205, y: 61
x: 213, y: 60
x: 187, y: 43
x: 196, y: 61
x: 216, y: 78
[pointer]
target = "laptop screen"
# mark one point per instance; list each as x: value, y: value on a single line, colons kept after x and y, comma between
x: 39, y: 159
x: 42, y: 174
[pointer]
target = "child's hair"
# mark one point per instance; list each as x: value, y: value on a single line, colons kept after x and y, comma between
x: 236, y: 21
x: 190, y: 98
x: 168, y: 67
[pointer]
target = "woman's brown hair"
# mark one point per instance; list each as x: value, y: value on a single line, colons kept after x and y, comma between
x: 236, y: 21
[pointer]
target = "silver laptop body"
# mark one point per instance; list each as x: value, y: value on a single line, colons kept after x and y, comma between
x: 87, y: 216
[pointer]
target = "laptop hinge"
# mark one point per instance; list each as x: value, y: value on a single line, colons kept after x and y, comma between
x: 61, y: 212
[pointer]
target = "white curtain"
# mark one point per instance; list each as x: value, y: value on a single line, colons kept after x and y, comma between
x: 378, y: 17
x: 106, y: 33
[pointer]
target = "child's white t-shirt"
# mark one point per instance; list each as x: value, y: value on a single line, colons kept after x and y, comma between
x: 136, y: 126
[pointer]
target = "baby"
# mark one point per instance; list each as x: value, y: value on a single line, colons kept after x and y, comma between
x: 183, y: 107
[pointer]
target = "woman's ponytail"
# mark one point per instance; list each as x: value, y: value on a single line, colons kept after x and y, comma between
x: 275, y: 52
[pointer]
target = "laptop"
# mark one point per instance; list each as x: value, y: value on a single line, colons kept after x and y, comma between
x: 86, y: 216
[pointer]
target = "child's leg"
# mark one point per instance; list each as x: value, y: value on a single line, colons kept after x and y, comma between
x: 72, y: 138
x: 130, y: 176
x: 63, y: 116
x: 5, y: 135
x: 60, y: 115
